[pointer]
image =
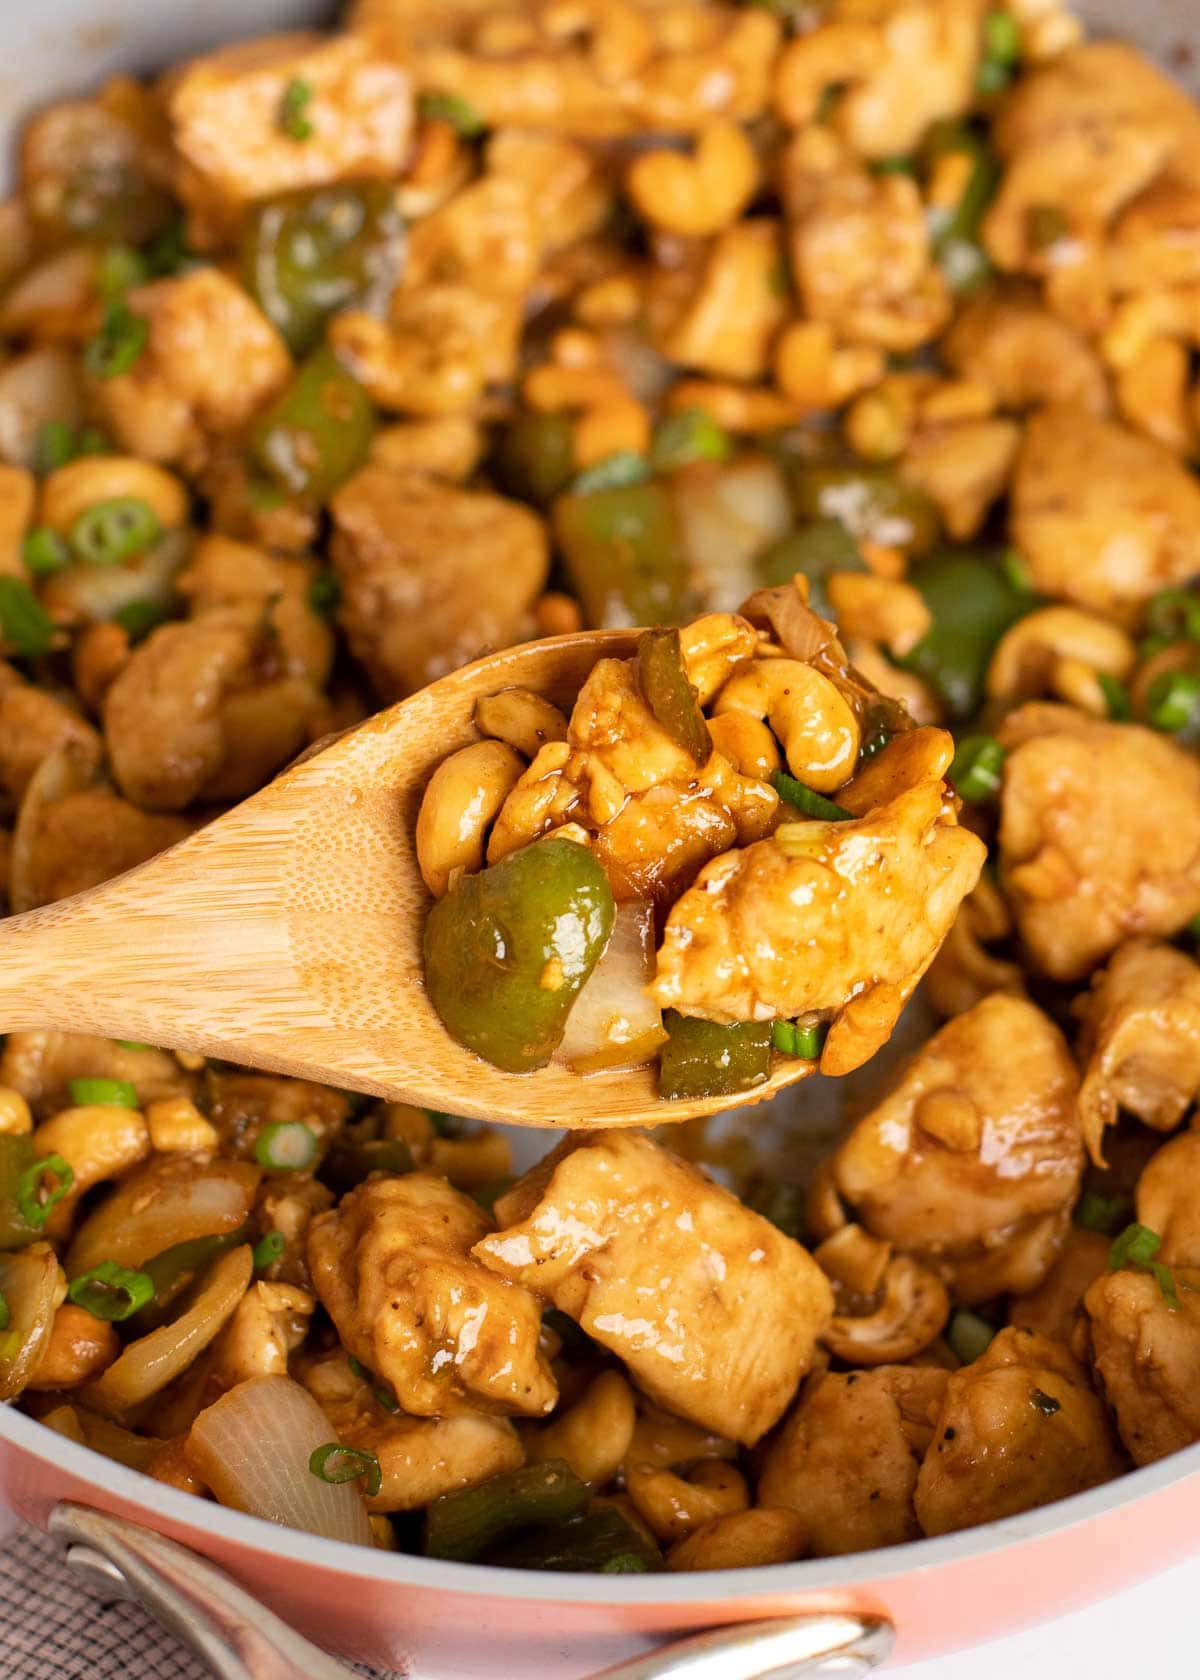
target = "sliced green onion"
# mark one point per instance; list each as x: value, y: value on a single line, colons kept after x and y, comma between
x: 1016, y: 570
x: 624, y: 467
x: 894, y: 166
x: 35, y: 1198
x: 792, y: 1039
x: 1116, y: 697
x: 812, y: 804
x: 53, y: 446
x: 683, y: 438
x: 969, y: 1335
x: 1174, y: 700
x: 118, y: 344
x: 93, y: 440
x: 102, y: 1093
x: 1165, y: 1279
x: 1174, y: 613
x: 1150, y: 645
x: 451, y: 108
x: 1045, y: 1403
x: 5, y: 1315
x: 293, y: 121
x: 119, y: 268
x: 288, y: 1146
x: 976, y: 770
x: 336, y: 1464
x: 1105, y: 1214
x: 45, y: 552
x: 384, y: 1396
x: 24, y: 622
x: 1001, y: 52
x: 268, y: 1249
x: 324, y: 592
x: 138, y: 618
x: 111, y: 1292
x: 1136, y: 1246
x: 114, y: 530
x: 131, y: 1044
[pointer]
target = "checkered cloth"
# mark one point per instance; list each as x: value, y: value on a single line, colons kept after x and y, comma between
x: 52, y: 1628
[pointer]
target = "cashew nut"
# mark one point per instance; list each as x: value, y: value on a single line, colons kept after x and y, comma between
x: 698, y: 195
x: 712, y: 648
x: 1028, y: 657
x: 827, y: 57
x: 594, y: 1435
x: 673, y: 1505
x: 742, y: 1540
x: 879, y: 610
x: 747, y: 743
x: 98, y: 1143
x: 71, y: 490
x: 910, y: 1315
x: 177, y: 1127
x: 854, y: 1259
x: 521, y: 718
x: 15, y: 1118
x: 818, y: 730
x: 816, y: 374
x: 824, y: 1210
x: 464, y: 796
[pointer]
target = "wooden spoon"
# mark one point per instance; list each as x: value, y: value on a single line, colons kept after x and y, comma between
x: 287, y: 934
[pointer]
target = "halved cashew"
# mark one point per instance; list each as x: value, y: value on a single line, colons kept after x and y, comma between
x: 80, y: 1347
x: 698, y: 195
x: 1029, y: 657
x: 879, y: 610
x: 71, y: 490
x: 660, y: 1439
x: 177, y: 1127
x: 818, y: 374
x: 818, y: 730
x: 824, y: 1211
x: 743, y: 1540
x: 713, y: 647
x: 521, y: 718
x: 1148, y: 316
x: 827, y: 57
x: 747, y: 743
x: 463, y: 797
x: 854, y: 1259
x: 594, y: 1434
x: 98, y: 1143
x: 15, y: 1118
x: 673, y: 1505
x: 911, y: 1314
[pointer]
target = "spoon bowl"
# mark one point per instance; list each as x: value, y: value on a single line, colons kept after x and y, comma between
x: 287, y: 934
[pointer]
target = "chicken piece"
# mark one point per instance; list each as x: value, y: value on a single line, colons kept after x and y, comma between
x: 724, y: 323
x: 207, y: 710
x: 1140, y: 1041
x: 393, y: 1267
x: 237, y: 120
x: 965, y: 971
x: 212, y: 360
x: 972, y: 1160
x: 431, y: 575
x: 269, y: 1323
x: 847, y: 1457
x: 84, y: 838
x: 714, y: 1312
x: 41, y: 1065
x: 1004, y: 339
x: 449, y: 448
x: 1168, y: 1199
x: 1053, y: 1309
x: 241, y: 1104
x: 441, y: 347
x: 484, y: 237
x: 419, y: 1458
x: 288, y: 1203
x: 33, y: 724
x: 854, y: 923
x: 963, y: 469
x: 1083, y: 136
x: 860, y: 251
x: 1146, y: 1354
x: 604, y: 72
x: 224, y: 573
x: 1018, y: 1428
x: 97, y: 166
x: 1099, y: 835
x: 566, y: 185
x: 1154, y: 241
x: 1104, y: 516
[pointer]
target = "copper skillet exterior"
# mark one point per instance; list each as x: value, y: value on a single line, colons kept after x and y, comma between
x: 451, y: 1622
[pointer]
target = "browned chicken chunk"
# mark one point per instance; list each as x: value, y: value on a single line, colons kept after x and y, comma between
x: 973, y: 1159
x: 1147, y: 1356
x: 714, y: 1311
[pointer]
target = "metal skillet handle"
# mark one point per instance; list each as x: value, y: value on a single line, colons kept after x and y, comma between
x: 241, y: 1640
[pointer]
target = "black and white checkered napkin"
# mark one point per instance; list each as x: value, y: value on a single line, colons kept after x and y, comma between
x: 52, y: 1628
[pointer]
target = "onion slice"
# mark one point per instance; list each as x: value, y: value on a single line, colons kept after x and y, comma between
x: 728, y: 515
x: 613, y: 1023
x: 150, y: 1363
x: 170, y: 1201
x: 252, y: 1449
x: 33, y: 1288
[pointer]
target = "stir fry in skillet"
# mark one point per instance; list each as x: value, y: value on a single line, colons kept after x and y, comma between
x: 847, y: 350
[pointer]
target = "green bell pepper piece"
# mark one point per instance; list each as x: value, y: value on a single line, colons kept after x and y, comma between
x: 16, y: 1157
x: 663, y: 679
x: 624, y: 552
x: 536, y: 458
x: 600, y: 1541
x: 707, y: 1059
x: 973, y: 603
x: 460, y: 1525
x: 318, y: 432
x: 872, y: 502
x: 508, y: 950
x: 817, y: 551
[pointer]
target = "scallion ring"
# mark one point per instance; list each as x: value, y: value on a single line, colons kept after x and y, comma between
x: 36, y: 1198
x: 811, y: 804
x: 45, y: 552
x: 1136, y: 1246
x: 111, y: 1292
x: 1174, y: 701
x: 969, y: 1335
x: 977, y: 767
x: 102, y: 1093
x: 335, y: 1464
x: 118, y: 344
x: 287, y: 1146
x: 114, y: 530
x: 24, y: 623
x: 268, y: 1249
x: 792, y: 1039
